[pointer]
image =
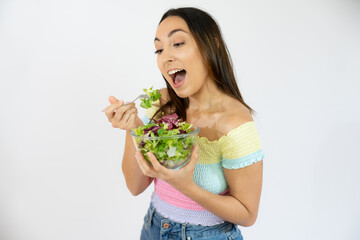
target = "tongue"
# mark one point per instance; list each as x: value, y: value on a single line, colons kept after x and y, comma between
x: 180, y: 76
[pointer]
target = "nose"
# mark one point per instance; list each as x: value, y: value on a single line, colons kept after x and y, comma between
x: 165, y: 60
x: 167, y: 56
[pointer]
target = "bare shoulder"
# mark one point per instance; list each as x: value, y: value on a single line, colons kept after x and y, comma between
x: 235, y: 114
x: 164, y: 96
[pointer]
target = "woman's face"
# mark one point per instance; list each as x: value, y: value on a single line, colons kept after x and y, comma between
x: 178, y: 57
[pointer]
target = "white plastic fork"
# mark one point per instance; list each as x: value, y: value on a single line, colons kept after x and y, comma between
x: 145, y: 96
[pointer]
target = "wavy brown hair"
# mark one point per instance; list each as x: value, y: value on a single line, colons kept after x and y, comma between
x: 215, y: 55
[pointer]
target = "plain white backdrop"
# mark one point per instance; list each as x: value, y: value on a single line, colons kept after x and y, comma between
x: 297, y: 64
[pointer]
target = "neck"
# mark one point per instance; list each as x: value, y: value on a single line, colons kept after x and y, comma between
x: 207, y: 99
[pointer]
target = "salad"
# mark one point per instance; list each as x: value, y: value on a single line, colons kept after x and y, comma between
x: 169, y: 139
x: 154, y: 95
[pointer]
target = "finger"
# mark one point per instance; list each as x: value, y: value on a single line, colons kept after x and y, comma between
x: 122, y: 117
x: 128, y: 113
x: 194, y: 157
x: 118, y: 116
x: 155, y: 163
x: 138, y: 156
x: 140, y: 165
x: 131, y: 120
x: 144, y: 165
x: 109, y: 111
x: 113, y: 99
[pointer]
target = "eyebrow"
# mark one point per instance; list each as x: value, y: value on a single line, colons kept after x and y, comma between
x: 171, y: 33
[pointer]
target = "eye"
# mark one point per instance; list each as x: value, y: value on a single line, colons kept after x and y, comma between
x: 158, y: 51
x: 178, y: 44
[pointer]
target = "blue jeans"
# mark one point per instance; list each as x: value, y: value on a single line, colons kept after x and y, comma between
x: 159, y: 228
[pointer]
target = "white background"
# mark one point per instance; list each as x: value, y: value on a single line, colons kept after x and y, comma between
x: 297, y: 64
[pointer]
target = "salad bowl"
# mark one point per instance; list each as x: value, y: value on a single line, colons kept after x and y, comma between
x: 169, y: 139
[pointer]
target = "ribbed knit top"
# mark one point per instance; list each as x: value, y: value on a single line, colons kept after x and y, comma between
x: 241, y: 147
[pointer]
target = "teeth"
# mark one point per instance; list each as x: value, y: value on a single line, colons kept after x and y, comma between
x: 174, y: 71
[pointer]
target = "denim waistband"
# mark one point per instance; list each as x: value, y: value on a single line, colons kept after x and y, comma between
x: 165, y: 224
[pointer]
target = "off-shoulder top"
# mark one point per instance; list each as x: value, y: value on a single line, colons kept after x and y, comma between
x: 241, y: 147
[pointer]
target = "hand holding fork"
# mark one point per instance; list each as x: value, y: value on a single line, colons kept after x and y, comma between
x: 145, y: 96
x: 123, y: 115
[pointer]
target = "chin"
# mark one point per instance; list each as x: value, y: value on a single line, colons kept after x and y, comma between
x: 181, y: 94
x: 185, y: 93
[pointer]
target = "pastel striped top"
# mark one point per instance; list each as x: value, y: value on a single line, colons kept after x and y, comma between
x: 241, y: 147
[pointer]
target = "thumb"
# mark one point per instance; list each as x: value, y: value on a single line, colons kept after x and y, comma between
x: 113, y: 99
x: 194, y: 157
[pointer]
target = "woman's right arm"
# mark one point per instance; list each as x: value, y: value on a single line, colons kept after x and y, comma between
x: 136, y: 181
x: 126, y: 118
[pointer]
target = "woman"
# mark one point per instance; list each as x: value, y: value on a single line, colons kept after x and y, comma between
x: 220, y: 187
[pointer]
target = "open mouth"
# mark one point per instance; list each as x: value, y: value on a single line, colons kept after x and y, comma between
x: 178, y: 76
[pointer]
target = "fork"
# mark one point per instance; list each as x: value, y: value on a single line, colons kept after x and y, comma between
x: 145, y: 96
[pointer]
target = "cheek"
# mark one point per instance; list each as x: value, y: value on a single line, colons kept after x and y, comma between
x: 158, y: 63
x: 196, y: 61
x: 161, y: 68
x: 198, y: 70
x: 163, y: 71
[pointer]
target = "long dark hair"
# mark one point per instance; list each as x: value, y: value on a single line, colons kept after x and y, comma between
x: 215, y: 54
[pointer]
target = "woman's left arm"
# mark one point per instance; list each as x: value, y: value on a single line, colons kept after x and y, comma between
x: 241, y: 206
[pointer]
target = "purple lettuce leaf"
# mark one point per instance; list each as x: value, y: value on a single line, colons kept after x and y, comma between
x: 170, y: 119
x: 154, y: 129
